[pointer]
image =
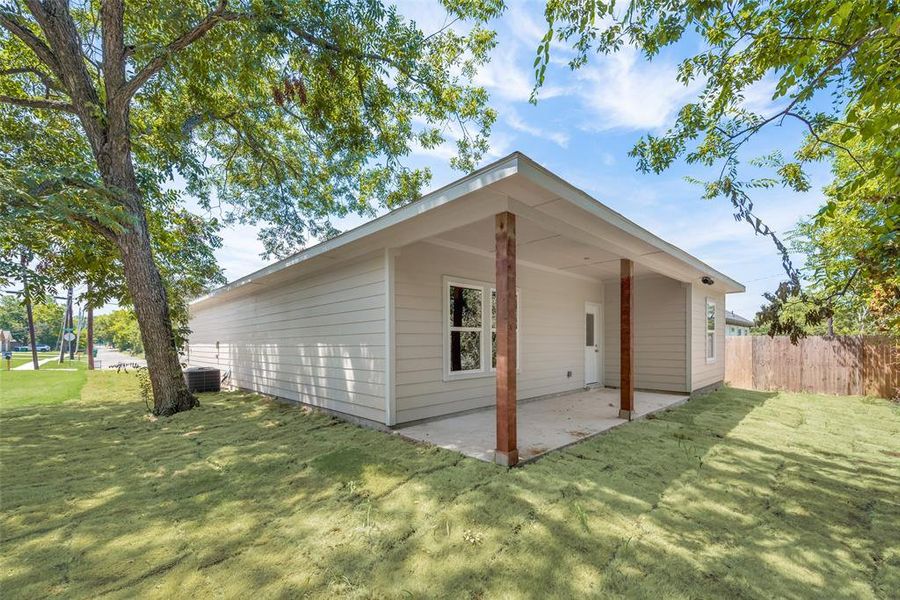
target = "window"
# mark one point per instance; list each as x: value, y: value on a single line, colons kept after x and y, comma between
x: 588, y: 329
x: 471, y: 328
x: 710, y: 330
x: 466, y: 327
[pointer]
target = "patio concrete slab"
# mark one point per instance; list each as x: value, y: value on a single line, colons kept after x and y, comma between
x: 543, y: 425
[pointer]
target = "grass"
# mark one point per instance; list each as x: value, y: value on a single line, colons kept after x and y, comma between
x: 53, y: 383
x: 20, y: 358
x: 738, y: 494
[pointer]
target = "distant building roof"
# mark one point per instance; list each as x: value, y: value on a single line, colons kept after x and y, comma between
x: 735, y: 319
x: 6, y: 335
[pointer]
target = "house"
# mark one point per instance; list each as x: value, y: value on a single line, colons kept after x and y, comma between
x: 508, y: 284
x: 735, y: 324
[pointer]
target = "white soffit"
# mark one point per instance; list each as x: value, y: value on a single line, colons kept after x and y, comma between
x: 548, y: 194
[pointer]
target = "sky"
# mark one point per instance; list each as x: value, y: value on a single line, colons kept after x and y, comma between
x: 582, y: 129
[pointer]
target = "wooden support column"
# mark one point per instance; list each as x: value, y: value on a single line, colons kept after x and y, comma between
x: 626, y: 339
x: 505, y: 231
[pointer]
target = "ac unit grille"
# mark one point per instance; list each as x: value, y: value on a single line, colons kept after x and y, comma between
x: 202, y: 379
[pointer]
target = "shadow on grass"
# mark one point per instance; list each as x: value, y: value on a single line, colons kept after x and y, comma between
x: 740, y: 493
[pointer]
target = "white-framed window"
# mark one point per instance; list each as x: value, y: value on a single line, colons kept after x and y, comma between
x: 710, y: 330
x: 470, y: 328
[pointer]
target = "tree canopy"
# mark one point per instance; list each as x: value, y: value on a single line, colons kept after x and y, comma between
x: 280, y: 114
x: 834, y: 68
x: 47, y: 320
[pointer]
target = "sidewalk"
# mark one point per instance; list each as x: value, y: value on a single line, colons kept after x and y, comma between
x: 110, y: 357
x: 29, y: 366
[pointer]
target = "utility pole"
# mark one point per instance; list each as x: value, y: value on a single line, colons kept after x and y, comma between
x: 26, y: 292
x: 90, y: 330
x: 73, y: 325
x: 67, y: 326
x: 78, y: 327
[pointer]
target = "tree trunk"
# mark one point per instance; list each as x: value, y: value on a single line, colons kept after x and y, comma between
x: 26, y: 293
x: 170, y: 392
x: 110, y: 139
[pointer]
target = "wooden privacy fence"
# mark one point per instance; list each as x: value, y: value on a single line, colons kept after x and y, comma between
x: 845, y: 365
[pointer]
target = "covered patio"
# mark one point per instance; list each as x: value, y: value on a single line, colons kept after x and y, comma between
x: 544, y: 424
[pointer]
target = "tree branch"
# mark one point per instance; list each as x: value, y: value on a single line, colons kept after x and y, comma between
x: 112, y: 15
x: 38, y: 103
x: 816, y: 136
x: 45, y: 79
x: 155, y: 64
x: 12, y: 24
x: 62, y: 35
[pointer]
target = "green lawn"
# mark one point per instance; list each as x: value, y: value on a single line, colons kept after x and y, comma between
x: 738, y: 494
x: 20, y: 358
x: 53, y: 383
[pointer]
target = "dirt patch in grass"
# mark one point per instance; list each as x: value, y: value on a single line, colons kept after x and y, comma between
x: 730, y: 495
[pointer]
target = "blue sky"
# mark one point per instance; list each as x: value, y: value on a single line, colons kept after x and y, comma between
x: 583, y: 128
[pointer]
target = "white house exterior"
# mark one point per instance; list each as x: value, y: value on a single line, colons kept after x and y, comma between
x: 392, y: 322
x: 736, y: 325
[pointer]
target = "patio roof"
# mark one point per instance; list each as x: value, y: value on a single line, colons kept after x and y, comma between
x: 514, y: 184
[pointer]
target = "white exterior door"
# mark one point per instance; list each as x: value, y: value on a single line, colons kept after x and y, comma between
x: 592, y: 352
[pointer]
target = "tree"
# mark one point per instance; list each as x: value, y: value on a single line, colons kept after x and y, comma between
x: 285, y: 113
x: 852, y: 249
x: 47, y: 318
x: 836, y: 75
x: 120, y: 330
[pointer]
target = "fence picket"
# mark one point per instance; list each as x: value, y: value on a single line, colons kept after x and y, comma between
x: 844, y: 365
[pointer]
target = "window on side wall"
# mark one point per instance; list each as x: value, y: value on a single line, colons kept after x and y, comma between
x: 710, y: 330
x: 466, y: 326
x: 470, y: 315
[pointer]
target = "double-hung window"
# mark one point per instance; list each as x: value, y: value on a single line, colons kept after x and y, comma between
x: 710, y: 330
x: 466, y: 327
x: 470, y: 330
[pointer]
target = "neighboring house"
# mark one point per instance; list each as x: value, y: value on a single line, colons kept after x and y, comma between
x: 6, y: 341
x: 736, y: 324
x: 397, y: 320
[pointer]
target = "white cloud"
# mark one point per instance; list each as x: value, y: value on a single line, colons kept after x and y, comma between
x: 508, y: 76
x: 241, y: 251
x: 503, y: 77
x: 758, y: 97
x: 444, y: 151
x: 512, y: 118
x: 624, y: 91
x: 500, y: 146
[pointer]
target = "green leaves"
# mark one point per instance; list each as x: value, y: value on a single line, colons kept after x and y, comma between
x: 285, y: 115
x: 835, y: 70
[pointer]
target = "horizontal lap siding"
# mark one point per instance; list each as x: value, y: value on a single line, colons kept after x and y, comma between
x: 660, y: 334
x: 318, y: 339
x: 703, y: 373
x: 551, y: 332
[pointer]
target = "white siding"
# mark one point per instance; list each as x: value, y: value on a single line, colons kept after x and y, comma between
x: 318, y: 339
x: 702, y: 372
x: 660, y: 336
x: 551, y: 332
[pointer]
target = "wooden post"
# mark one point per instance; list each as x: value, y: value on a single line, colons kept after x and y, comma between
x: 626, y: 339
x: 505, y: 231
